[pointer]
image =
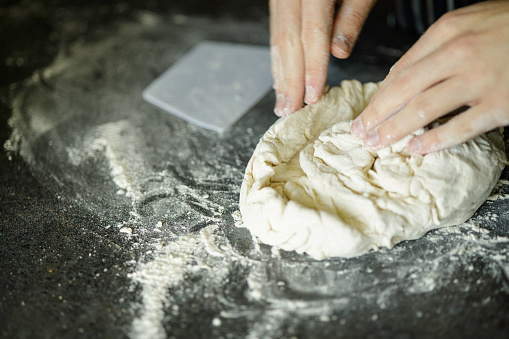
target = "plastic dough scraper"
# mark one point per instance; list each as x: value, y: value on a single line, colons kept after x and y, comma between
x: 214, y: 84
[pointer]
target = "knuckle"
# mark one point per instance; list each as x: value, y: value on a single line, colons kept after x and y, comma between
x: 449, y: 16
x: 447, y: 24
x: 467, y: 42
x: 356, y: 18
x: 463, y: 47
x: 423, y: 109
x: 316, y: 31
x: 315, y: 36
x: 402, y: 81
x: 472, y: 78
x: 288, y: 41
x: 293, y: 81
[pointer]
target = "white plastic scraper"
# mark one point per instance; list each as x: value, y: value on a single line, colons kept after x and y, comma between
x: 214, y: 84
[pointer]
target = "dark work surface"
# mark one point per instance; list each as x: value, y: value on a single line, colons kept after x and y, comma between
x: 78, y: 258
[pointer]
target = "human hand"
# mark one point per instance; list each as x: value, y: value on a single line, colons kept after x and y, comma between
x: 462, y: 60
x: 303, y: 34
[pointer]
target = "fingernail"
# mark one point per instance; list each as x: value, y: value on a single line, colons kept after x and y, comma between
x: 284, y: 106
x: 342, y: 43
x: 311, y: 95
x: 280, y: 103
x: 287, y: 107
x: 414, y: 146
x: 372, y: 139
x: 357, y: 128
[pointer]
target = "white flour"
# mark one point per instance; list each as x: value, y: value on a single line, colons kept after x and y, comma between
x: 167, y: 268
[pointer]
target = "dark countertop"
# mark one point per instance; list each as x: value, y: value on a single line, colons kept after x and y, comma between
x: 117, y: 220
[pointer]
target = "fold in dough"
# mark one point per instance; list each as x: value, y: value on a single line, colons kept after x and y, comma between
x: 312, y: 187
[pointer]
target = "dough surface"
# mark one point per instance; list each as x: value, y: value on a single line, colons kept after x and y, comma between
x: 312, y: 187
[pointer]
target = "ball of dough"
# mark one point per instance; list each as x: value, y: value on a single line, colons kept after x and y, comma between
x: 312, y: 187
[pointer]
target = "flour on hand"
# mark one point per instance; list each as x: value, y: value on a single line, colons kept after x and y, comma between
x: 312, y: 187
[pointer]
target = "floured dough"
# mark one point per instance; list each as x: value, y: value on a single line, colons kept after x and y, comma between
x: 312, y: 187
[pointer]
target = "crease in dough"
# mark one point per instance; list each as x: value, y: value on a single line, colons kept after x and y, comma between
x: 312, y: 187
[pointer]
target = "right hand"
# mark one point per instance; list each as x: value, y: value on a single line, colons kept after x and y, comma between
x: 459, y: 62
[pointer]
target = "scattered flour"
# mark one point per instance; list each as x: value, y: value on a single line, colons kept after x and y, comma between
x: 167, y: 268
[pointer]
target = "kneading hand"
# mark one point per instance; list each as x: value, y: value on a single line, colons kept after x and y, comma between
x: 461, y: 61
x: 303, y: 33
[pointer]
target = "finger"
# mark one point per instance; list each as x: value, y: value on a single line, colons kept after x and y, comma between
x: 463, y: 127
x: 420, y: 111
x: 288, y: 55
x: 276, y: 65
x: 348, y: 23
x: 403, y: 87
x: 448, y: 27
x: 430, y: 41
x: 316, y: 38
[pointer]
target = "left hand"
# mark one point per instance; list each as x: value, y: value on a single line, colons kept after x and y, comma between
x: 303, y: 34
x: 462, y: 60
